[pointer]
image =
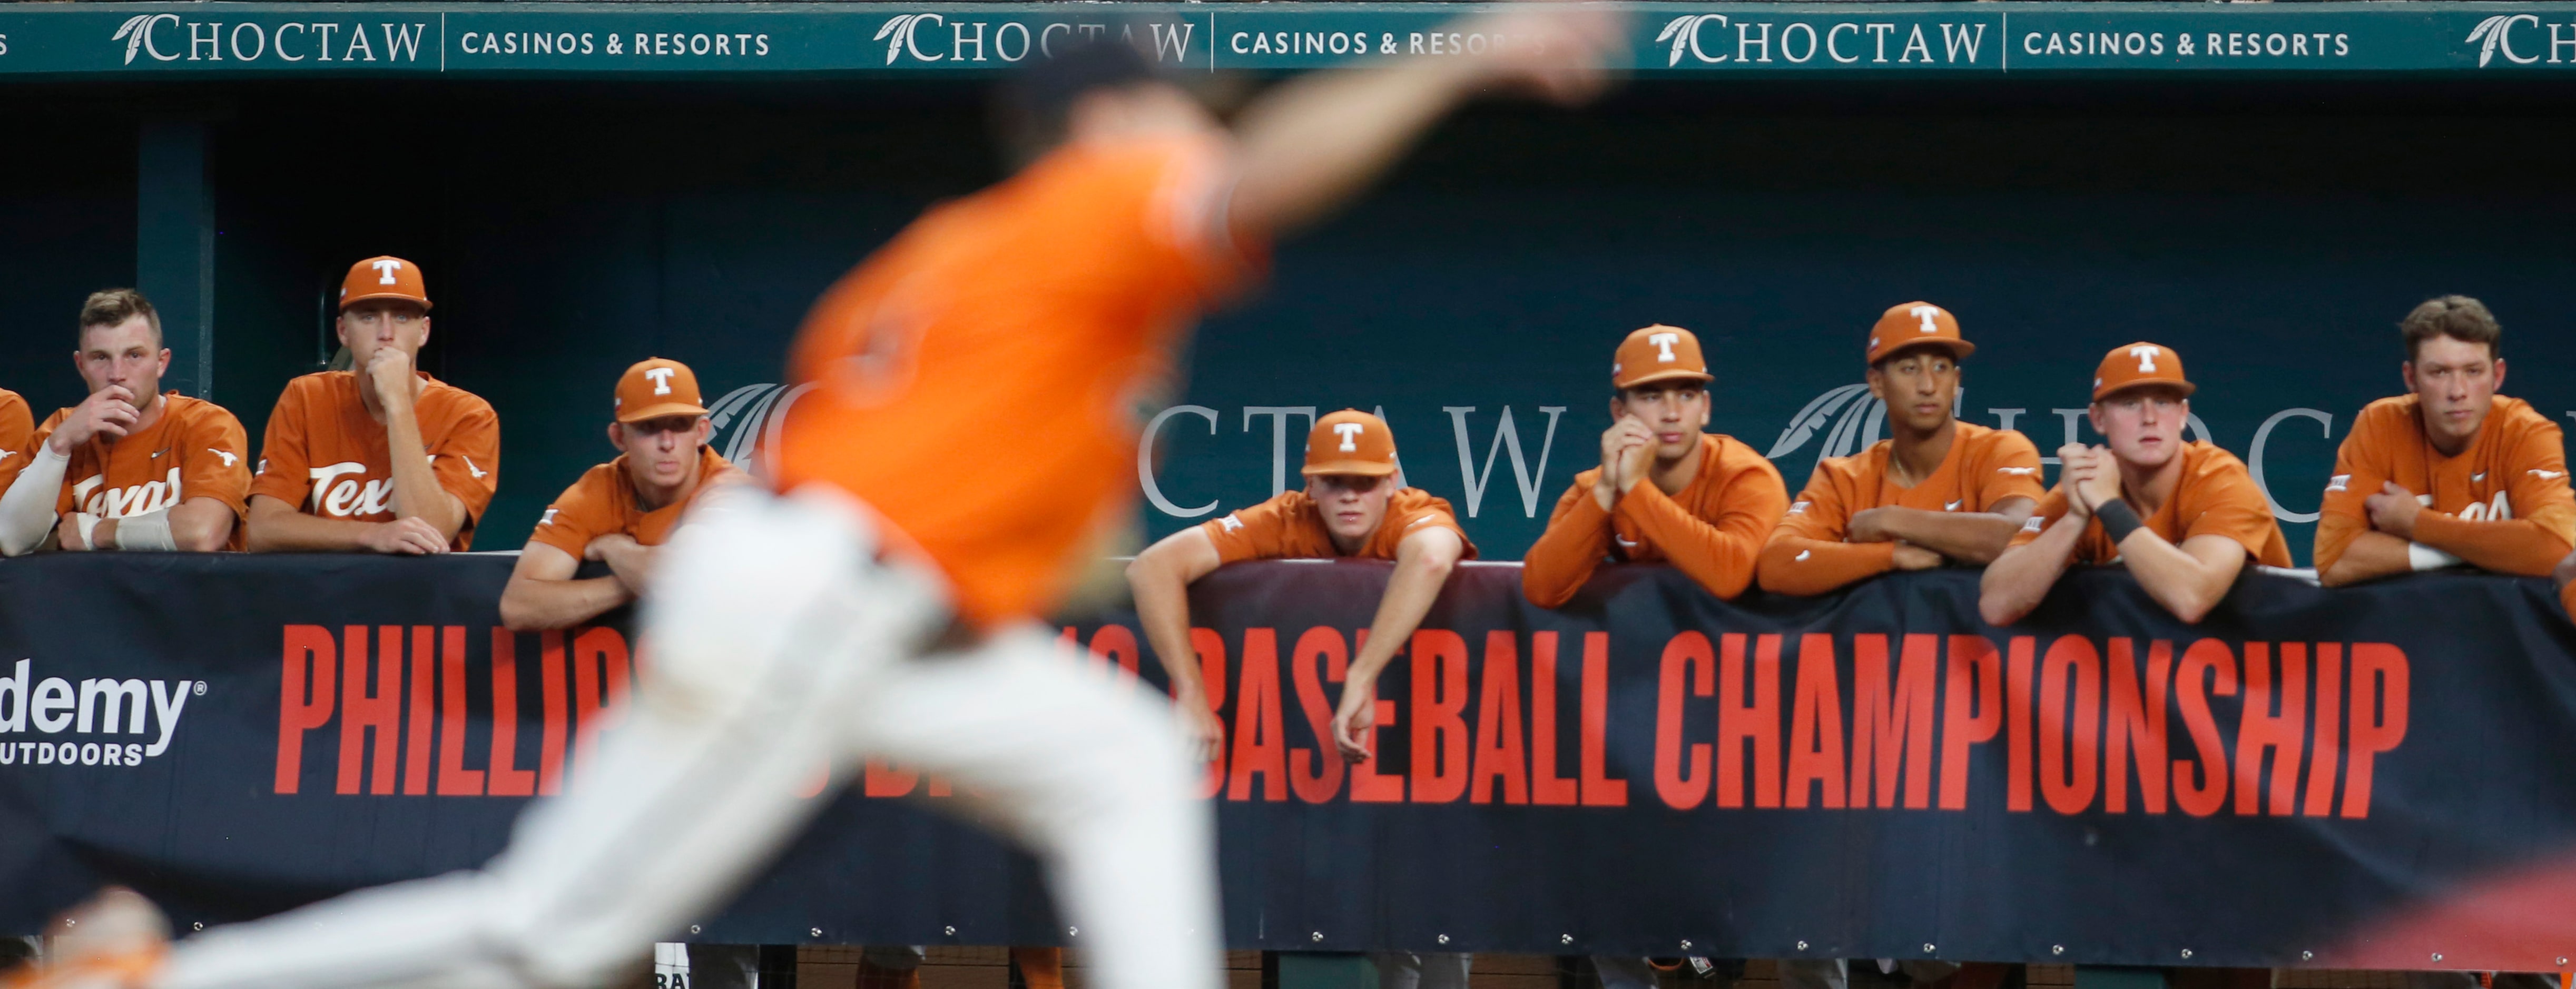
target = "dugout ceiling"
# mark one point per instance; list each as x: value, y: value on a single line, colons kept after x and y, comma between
x: 2270, y: 215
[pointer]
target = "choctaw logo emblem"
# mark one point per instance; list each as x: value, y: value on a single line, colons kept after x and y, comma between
x: 747, y: 419
x: 897, y: 34
x: 1849, y: 417
x: 2494, y: 31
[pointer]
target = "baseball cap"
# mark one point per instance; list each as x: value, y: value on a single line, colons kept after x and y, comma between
x: 657, y: 387
x: 1658, y: 353
x: 1350, y: 442
x: 383, y: 277
x: 1916, y: 324
x: 2138, y: 364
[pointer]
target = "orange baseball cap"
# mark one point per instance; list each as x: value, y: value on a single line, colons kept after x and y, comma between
x: 1916, y: 324
x: 383, y: 277
x: 1350, y: 442
x: 1658, y: 353
x: 2137, y: 365
x: 657, y: 387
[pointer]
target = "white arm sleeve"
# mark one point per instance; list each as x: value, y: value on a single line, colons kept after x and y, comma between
x: 27, y: 511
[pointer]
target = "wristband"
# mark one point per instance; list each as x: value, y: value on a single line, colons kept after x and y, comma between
x: 85, y: 523
x: 2118, y: 519
x: 2423, y: 558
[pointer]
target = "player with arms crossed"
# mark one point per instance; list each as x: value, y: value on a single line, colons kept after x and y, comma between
x: 131, y: 468
x: 2182, y: 517
x: 381, y: 458
x: 1666, y: 490
x: 619, y: 511
x: 2451, y: 473
x: 885, y: 605
x: 1936, y: 489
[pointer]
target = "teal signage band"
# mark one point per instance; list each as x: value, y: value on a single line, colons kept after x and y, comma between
x: 611, y: 39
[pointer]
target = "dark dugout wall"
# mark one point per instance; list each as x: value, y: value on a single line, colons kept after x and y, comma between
x: 2272, y: 231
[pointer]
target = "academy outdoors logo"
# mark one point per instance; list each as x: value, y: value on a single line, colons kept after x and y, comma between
x: 54, y: 707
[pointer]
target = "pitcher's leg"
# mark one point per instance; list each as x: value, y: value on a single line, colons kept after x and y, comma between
x: 776, y: 621
x: 1090, y: 774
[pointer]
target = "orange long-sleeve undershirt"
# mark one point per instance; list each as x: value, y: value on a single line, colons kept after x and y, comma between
x: 1803, y: 566
x: 2514, y: 546
x: 1576, y: 541
x: 1719, y: 556
x: 1712, y: 530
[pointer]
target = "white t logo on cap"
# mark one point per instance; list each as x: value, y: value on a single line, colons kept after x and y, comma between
x: 1664, y: 345
x: 387, y: 267
x: 661, y: 379
x: 1925, y: 313
x: 2146, y: 356
x: 1350, y: 433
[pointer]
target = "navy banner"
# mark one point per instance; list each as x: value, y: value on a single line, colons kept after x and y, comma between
x: 2372, y: 777
x: 1768, y: 39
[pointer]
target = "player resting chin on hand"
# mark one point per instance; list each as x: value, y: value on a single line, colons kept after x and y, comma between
x: 2182, y: 517
x: 620, y: 511
x: 1352, y: 507
x: 1667, y: 491
x: 381, y: 458
x: 132, y: 467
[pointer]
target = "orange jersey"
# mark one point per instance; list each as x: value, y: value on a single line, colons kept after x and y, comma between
x: 2214, y: 497
x: 1291, y: 526
x: 604, y: 502
x: 2503, y: 503
x: 17, y: 436
x: 326, y: 456
x: 1065, y: 288
x: 1711, y: 529
x: 195, y: 449
x: 1807, y: 554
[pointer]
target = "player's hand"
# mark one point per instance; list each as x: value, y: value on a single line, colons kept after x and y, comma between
x: 2101, y: 479
x: 1562, y: 54
x: 1353, y: 720
x: 1618, y: 446
x: 406, y: 536
x: 1869, y: 525
x: 2074, y: 463
x: 2393, y: 510
x: 67, y: 534
x: 1637, y: 457
x: 1201, y: 732
x: 2566, y: 571
x: 389, y: 371
x: 108, y: 411
x: 1913, y: 557
x: 625, y: 557
x: 600, y: 547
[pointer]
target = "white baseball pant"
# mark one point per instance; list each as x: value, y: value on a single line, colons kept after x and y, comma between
x: 779, y: 644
